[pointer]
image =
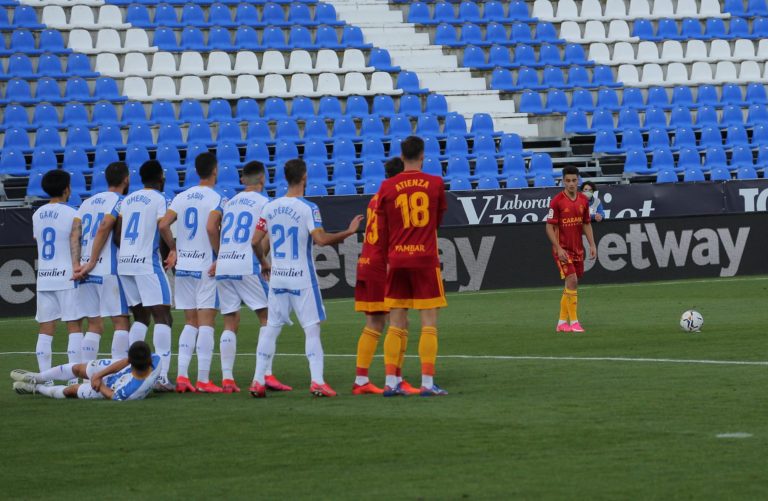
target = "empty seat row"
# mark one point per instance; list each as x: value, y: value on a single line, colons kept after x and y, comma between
x: 98, y: 3
x: 22, y: 40
x: 221, y: 63
x: 48, y: 89
x: 568, y: 10
x: 495, y: 33
x: 676, y: 51
x: 273, y: 85
x: 750, y: 8
x: 468, y: 11
x: 552, y: 78
x: 700, y: 73
x: 670, y: 29
x: 47, y: 65
x: 82, y: 16
x: 684, y: 139
x: 220, y: 110
x: 523, y: 55
x: 21, y: 16
x: 219, y: 14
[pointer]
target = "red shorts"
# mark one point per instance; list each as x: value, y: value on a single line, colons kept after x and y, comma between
x: 369, y: 294
x: 415, y: 288
x: 570, y: 268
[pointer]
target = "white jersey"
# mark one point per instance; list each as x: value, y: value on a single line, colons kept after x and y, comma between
x: 239, y: 218
x: 290, y: 222
x: 139, y: 236
x: 51, y: 228
x: 127, y: 387
x: 193, y: 248
x: 91, y: 214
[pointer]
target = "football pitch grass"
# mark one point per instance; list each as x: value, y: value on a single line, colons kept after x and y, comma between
x: 630, y: 410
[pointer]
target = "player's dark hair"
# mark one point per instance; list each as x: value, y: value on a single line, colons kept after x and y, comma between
x: 116, y: 172
x: 393, y: 167
x: 205, y: 163
x: 590, y: 184
x: 412, y: 147
x: 251, y: 171
x: 151, y: 172
x: 140, y: 356
x: 294, y: 171
x: 570, y: 169
x: 55, y: 182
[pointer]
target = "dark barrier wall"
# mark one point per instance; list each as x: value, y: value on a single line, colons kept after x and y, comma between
x: 495, y: 257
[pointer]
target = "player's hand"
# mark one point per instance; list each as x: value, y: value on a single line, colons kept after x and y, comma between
x: 592, y: 252
x: 598, y: 217
x: 212, y: 270
x: 562, y: 255
x: 170, y: 261
x: 266, y: 269
x: 96, y: 383
x: 355, y: 223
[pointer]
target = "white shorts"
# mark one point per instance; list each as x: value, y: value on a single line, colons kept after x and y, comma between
x: 195, y: 290
x: 57, y: 305
x: 147, y: 290
x: 249, y: 289
x: 86, y: 392
x: 102, y: 297
x: 95, y: 366
x: 306, y: 303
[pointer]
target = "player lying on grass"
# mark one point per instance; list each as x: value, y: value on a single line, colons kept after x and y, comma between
x: 129, y: 378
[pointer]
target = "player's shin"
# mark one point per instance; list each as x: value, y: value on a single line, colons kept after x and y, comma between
x: 205, y: 344
x: 187, y: 341
x: 43, y: 351
x: 56, y: 392
x: 366, y: 348
x: 228, y: 350
x: 90, y: 347
x: 314, y: 350
x: 265, y: 351
x: 63, y: 372
x: 563, y: 308
x: 138, y: 332
x: 403, y: 348
x: 161, y: 339
x: 74, y: 350
x: 120, y: 344
x: 428, y: 355
x: 392, y: 346
x: 573, y: 300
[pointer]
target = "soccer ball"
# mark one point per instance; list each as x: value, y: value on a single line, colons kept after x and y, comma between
x: 691, y: 321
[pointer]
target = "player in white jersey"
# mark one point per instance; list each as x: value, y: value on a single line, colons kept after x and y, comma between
x: 129, y: 378
x: 293, y: 224
x: 195, y: 290
x: 99, y: 292
x: 139, y: 264
x: 58, y: 252
x: 237, y: 270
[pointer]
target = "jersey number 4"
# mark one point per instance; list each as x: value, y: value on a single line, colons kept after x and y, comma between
x: 414, y: 208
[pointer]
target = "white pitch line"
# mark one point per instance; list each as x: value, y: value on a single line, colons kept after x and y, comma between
x: 509, y: 357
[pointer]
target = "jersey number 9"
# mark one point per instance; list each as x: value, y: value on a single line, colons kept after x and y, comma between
x: 190, y: 221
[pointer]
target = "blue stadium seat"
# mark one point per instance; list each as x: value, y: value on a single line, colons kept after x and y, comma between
x: 357, y: 107
x: 557, y: 101
x: 455, y: 124
x: 605, y: 142
x: 75, y: 159
x: 655, y: 118
x: 15, y: 116
x: 275, y: 108
x: 257, y: 150
x: 688, y: 158
x: 382, y: 61
x: 707, y: 95
x: 582, y: 100
x: 714, y: 158
x: 259, y: 130
x: 344, y: 188
x: 756, y: 115
x: 45, y: 115
x: 246, y: 14
x: 34, y: 188
x: 74, y: 114
x: 657, y: 138
x: 193, y: 15
x: 635, y: 162
x: 138, y: 16
x: 525, y: 56
x: 220, y: 15
x: 474, y: 57
x: 484, y: 144
x: 493, y: 11
x: 12, y: 162
x: 373, y: 170
x: 104, y: 156
x: 691, y: 29
x: 315, y: 128
x: 543, y: 181
x: 684, y: 137
x: 371, y: 187
x: 80, y: 136
x: 541, y: 163
x: 661, y: 159
x: 456, y: 146
x: 667, y: 176
x: 549, y: 54
x: 165, y: 39
x: 135, y: 156
x: 352, y: 37
x: 432, y: 166
x: 530, y: 102
x: 47, y: 137
x: 20, y: 66
x: 246, y: 38
x: 372, y: 126
x: 44, y: 159
x: 168, y: 156
x: 501, y: 79
x: 427, y: 124
x: 326, y: 37
x: 317, y: 173
x: 315, y: 150
x: 576, y: 123
x: 746, y: 173
x: 608, y: 99
x: 495, y: 33
x: 25, y: 16
x: 325, y: 13
x: 408, y: 81
x: 632, y: 98
x: 418, y: 13
x: 383, y: 106
x: 693, y: 175
x: 736, y: 135
x: 344, y: 127
x: 486, y: 166
x: 373, y: 148
x: 516, y: 182
x: 302, y: 108
x: 109, y: 135
x: 287, y: 129
x: 230, y: 132
x: 16, y: 138
x: 756, y: 8
x: 344, y: 170
x: 681, y: 117
x: 553, y: 78
x: 720, y: 174
x: 487, y: 183
x: 602, y: 120
x: 343, y: 149
x: 741, y: 156
x: 629, y: 118
x: 459, y: 184
x: 760, y: 134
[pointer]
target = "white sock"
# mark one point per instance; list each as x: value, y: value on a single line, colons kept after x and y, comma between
x: 58, y: 373
x: 228, y: 350
x: 561, y: 322
x: 204, y: 352
x: 314, y: 350
x: 120, y: 344
x: 161, y: 338
x: 427, y: 381
x: 186, y: 348
x: 391, y: 381
x: 361, y: 380
x: 74, y: 347
x: 138, y: 332
x: 265, y: 350
x: 43, y: 351
x: 51, y: 391
x: 90, y: 347
x: 399, y: 379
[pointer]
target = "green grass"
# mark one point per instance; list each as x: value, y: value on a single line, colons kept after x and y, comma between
x: 532, y: 429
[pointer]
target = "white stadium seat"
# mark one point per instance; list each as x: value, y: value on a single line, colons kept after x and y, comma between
x: 80, y: 41
x: 382, y: 83
x: 749, y: 72
x: 273, y: 62
x: 135, y: 64
x: 164, y: 87
x: 624, y: 53
x: 301, y: 61
x: 695, y: 50
x: 599, y: 53
x: 615, y: 9
x: 567, y: 10
x: 743, y: 50
x: 653, y: 74
x: 191, y: 87
x: 219, y: 86
x: 677, y: 74
x: 354, y: 83
x: 647, y: 52
x: 191, y: 63
x: 301, y: 85
x: 54, y: 17
x: 248, y: 86
x: 591, y: 9
x: 725, y: 72
x: 686, y: 8
x: 671, y: 50
x: 639, y: 9
x: 618, y: 30
x: 137, y: 40
x: 164, y: 63
x: 762, y: 49
x: 107, y: 64
x: 246, y: 62
x: 543, y: 10
x: 327, y: 60
x: 110, y: 16
x: 109, y: 41
x: 571, y: 31
x: 711, y: 8
x: 328, y: 84
x: 219, y: 63
x: 662, y: 8
x: 594, y: 31
x: 628, y: 74
x: 81, y: 16
x: 274, y: 85
x: 701, y: 73
x: 718, y: 50
x: 354, y: 60
x: 135, y: 88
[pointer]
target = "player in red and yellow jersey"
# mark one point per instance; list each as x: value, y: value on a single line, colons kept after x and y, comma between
x: 369, y: 293
x: 410, y: 209
x: 567, y: 220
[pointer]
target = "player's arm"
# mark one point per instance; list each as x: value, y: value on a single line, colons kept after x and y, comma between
x: 587, y: 230
x: 555, y: 240
x: 164, y: 226
x: 213, y: 229
x: 322, y: 237
x: 99, y: 241
x: 74, y: 244
x: 260, y: 246
x: 110, y: 369
x: 442, y: 205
